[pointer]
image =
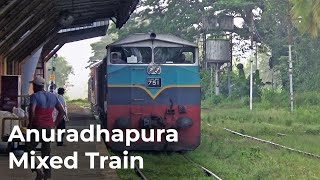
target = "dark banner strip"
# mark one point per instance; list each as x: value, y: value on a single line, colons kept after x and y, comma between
x: 138, y: 96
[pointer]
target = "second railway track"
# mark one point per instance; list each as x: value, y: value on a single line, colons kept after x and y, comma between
x: 206, y: 172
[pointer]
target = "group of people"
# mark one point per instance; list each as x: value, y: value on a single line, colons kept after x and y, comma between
x: 47, y: 111
x: 60, y: 94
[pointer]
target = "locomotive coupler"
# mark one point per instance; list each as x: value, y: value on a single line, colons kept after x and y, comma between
x: 152, y: 121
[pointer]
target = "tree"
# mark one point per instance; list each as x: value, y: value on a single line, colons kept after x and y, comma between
x: 62, y: 70
x: 99, y: 48
x: 182, y: 17
x: 272, y: 29
x: 307, y: 15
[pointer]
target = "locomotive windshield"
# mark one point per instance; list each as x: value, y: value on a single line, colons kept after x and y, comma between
x: 131, y: 55
x: 174, y: 55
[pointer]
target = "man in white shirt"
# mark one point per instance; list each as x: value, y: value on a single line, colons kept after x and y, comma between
x: 62, y: 124
x: 52, y: 88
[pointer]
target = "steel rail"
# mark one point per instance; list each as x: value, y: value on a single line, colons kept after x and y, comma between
x: 139, y: 172
x: 206, y: 171
x: 275, y: 144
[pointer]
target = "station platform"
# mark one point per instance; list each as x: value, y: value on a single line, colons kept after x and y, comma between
x: 80, y: 118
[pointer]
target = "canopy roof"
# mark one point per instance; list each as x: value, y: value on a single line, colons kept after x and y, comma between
x: 28, y: 24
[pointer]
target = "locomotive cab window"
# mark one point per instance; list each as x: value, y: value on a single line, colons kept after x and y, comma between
x: 174, y: 55
x: 130, y: 55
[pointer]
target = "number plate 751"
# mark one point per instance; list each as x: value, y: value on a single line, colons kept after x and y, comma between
x: 153, y: 82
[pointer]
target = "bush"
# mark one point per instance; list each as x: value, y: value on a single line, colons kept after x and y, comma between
x: 274, y: 98
x: 216, y: 99
x: 307, y: 99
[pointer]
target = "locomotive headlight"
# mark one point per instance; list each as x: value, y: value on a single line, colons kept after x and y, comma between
x: 184, y: 122
x: 153, y: 35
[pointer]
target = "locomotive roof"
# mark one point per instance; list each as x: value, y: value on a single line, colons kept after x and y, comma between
x: 139, y: 37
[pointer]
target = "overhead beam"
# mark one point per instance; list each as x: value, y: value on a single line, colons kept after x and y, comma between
x: 8, y: 8
x: 24, y: 34
x: 15, y: 21
x: 29, y: 25
x: 67, y: 37
x: 49, y: 46
x: 31, y: 41
x: 10, y: 16
x: 28, y: 49
x: 52, y: 52
x: 3, y: 3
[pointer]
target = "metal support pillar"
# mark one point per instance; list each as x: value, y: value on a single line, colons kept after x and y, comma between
x: 290, y: 42
x: 251, y: 82
x: 211, y: 80
x: 251, y: 61
x: 217, y: 79
x: 28, y: 69
x: 290, y: 78
x: 229, y: 79
x: 204, y: 59
x: 256, y: 68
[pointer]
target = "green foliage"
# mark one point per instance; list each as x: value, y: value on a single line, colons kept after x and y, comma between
x: 181, y: 17
x: 235, y: 157
x: 184, y: 18
x: 63, y: 70
x: 240, y: 87
x: 79, y: 102
x: 274, y: 98
x: 307, y: 15
x: 206, y: 84
x: 306, y: 64
x: 99, y: 48
x: 307, y: 99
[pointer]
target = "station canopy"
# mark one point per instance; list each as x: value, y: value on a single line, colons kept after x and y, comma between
x: 29, y: 24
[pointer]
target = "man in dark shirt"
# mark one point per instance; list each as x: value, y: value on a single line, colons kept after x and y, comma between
x: 42, y: 104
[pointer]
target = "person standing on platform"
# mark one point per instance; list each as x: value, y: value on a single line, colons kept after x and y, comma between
x: 52, y: 88
x: 42, y: 105
x: 62, y: 124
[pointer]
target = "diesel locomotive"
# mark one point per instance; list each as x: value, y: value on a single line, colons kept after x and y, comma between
x: 149, y: 81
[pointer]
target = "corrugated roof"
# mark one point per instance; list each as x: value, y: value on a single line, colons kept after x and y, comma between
x: 28, y: 24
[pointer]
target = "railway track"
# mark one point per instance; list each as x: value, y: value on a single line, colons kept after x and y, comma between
x: 206, y: 171
x: 272, y: 143
x: 139, y: 172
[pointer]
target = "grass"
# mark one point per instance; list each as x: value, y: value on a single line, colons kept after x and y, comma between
x: 79, y: 102
x: 234, y: 157
x: 173, y: 166
x: 159, y: 165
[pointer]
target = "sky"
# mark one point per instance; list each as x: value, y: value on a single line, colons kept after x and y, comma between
x: 77, y: 55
